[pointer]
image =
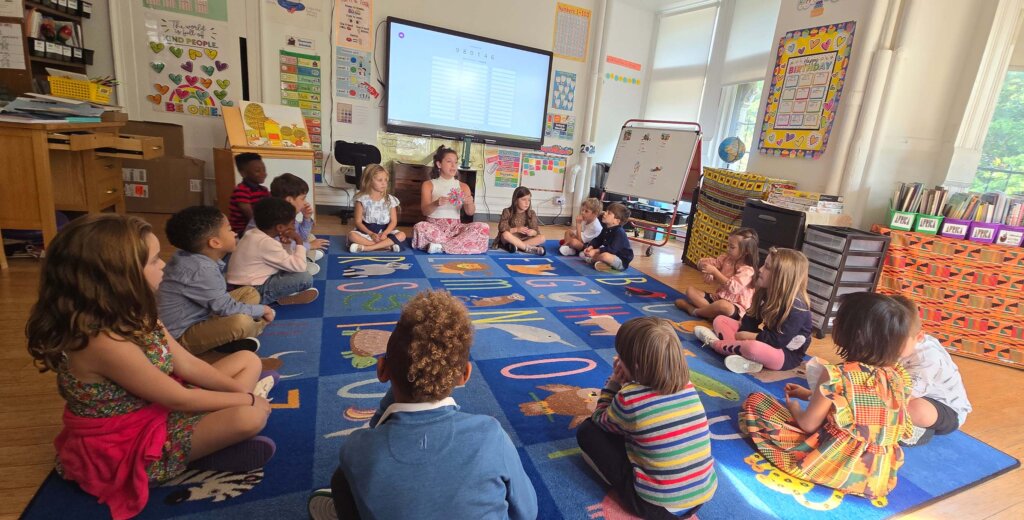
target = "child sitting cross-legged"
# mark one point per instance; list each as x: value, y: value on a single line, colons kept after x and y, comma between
x: 611, y: 247
x: 648, y: 438
x: 195, y: 305
x: 847, y: 437
x: 262, y: 261
x: 588, y: 226
x: 518, y: 228
x: 376, y: 214
x: 140, y: 409
x: 735, y: 272
x: 421, y: 456
x: 294, y: 190
x: 776, y: 332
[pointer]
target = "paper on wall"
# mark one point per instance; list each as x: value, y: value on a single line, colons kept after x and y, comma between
x: 353, y: 24
x: 12, y: 47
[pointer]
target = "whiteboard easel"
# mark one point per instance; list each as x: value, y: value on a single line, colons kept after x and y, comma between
x: 652, y: 162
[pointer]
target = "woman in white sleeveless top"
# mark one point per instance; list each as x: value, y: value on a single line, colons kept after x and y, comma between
x: 441, y: 199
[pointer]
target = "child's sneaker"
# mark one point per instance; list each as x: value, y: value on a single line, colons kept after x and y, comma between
x: 434, y: 249
x: 396, y: 248
x: 705, y: 335
x: 312, y: 268
x: 537, y: 250
x: 249, y: 344
x: 242, y: 457
x: 355, y: 248
x: 316, y: 255
x: 268, y: 379
x: 307, y: 296
x: 567, y: 251
x: 320, y: 505
x: 742, y: 365
x: 921, y: 436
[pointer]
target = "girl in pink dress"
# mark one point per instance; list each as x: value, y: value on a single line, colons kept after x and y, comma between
x: 440, y: 200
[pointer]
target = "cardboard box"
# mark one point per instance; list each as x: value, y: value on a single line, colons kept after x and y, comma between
x: 114, y: 116
x: 164, y: 185
x: 174, y: 135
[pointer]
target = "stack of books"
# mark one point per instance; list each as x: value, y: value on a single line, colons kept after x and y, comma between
x: 992, y: 208
x: 808, y: 201
x: 42, y: 108
x: 914, y: 198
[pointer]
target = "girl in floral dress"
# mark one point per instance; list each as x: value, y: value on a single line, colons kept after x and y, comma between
x: 140, y: 408
x: 847, y: 438
x: 440, y: 200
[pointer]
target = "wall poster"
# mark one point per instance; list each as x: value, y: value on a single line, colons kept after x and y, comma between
x: 186, y: 69
x: 300, y: 88
x: 806, y: 86
x: 542, y: 172
x: 353, y: 24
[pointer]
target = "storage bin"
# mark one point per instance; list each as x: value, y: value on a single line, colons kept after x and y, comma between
x: 824, y: 290
x: 1011, y: 236
x: 829, y: 275
x: 836, y: 237
x: 928, y: 224
x: 901, y: 220
x: 79, y: 89
x: 820, y: 305
x: 983, y: 232
x: 955, y: 228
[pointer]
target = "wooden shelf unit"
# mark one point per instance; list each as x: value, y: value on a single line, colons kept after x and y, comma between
x: 18, y: 82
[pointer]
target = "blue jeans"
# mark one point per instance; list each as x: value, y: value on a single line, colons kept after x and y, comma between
x: 282, y: 284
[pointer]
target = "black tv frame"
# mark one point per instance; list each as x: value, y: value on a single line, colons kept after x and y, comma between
x: 443, y: 134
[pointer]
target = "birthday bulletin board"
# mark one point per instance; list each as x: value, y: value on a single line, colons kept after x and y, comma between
x: 805, y: 90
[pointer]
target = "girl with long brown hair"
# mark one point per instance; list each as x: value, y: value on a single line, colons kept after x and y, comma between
x: 442, y: 201
x: 776, y: 331
x: 140, y: 408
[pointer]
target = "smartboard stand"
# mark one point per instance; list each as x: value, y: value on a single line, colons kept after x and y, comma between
x: 688, y: 174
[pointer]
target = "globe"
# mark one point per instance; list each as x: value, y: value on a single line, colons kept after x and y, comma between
x: 731, y: 149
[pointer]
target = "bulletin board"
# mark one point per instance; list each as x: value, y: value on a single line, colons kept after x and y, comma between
x: 542, y: 172
x: 652, y: 162
x: 804, y: 94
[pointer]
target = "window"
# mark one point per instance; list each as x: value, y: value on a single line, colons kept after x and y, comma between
x: 1002, y: 156
x: 739, y: 107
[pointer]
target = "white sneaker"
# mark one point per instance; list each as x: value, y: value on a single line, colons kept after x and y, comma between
x: 396, y: 248
x: 742, y: 365
x: 705, y: 335
x: 355, y: 248
x: 312, y: 268
x: 434, y: 249
x: 567, y: 251
x: 316, y: 255
x: 263, y: 387
x: 300, y: 298
x: 321, y: 505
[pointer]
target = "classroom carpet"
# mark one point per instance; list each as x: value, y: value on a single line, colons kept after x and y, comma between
x: 543, y: 348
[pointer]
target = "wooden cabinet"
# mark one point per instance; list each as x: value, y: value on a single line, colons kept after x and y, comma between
x: 64, y: 166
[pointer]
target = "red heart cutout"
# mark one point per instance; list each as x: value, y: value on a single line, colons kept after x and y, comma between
x: 191, y: 80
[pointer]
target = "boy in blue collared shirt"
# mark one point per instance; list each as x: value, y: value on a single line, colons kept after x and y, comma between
x: 611, y: 247
x: 421, y: 456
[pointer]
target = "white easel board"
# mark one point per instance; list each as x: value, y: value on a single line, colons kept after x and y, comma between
x: 652, y: 163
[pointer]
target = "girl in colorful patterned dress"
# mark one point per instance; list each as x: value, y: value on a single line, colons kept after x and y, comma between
x: 735, y: 272
x: 519, y: 228
x: 140, y: 408
x: 847, y: 437
x: 440, y: 200
x: 648, y: 438
x: 376, y: 214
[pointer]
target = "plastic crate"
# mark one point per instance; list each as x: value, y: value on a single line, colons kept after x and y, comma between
x: 836, y: 237
x: 820, y: 305
x: 830, y: 275
x: 824, y: 290
x: 79, y: 89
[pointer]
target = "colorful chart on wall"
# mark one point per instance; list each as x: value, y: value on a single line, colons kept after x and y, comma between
x: 572, y: 32
x: 186, y: 70
x: 300, y: 88
x: 558, y: 126
x: 274, y: 126
x: 542, y: 172
x: 353, y: 78
x: 209, y: 9
x: 804, y: 96
x: 504, y: 165
x: 353, y: 24
x: 563, y: 90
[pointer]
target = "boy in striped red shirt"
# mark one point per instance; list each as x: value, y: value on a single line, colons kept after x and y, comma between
x: 248, y: 192
x: 649, y: 438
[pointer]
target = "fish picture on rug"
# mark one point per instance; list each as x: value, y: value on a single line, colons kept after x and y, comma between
x: 526, y: 333
x: 773, y: 479
x: 573, y: 401
x: 367, y: 270
x: 365, y: 345
x: 216, y: 486
x: 713, y: 387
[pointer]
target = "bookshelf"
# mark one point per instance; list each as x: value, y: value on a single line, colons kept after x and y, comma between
x: 16, y: 82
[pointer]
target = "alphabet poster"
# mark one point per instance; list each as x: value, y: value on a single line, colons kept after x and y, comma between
x: 186, y: 70
x: 804, y: 97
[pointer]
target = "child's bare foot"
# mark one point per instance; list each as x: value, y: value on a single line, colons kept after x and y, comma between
x: 685, y: 305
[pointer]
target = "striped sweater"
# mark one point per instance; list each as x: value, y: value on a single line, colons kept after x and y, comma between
x: 667, y: 441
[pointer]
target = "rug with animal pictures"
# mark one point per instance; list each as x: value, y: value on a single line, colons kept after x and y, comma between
x: 543, y: 348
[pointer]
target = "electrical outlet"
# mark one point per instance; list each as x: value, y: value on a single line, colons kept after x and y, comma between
x: 560, y: 201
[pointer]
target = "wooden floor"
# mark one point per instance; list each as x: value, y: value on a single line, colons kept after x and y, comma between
x: 30, y: 408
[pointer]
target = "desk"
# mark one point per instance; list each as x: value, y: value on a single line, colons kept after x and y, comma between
x: 64, y: 166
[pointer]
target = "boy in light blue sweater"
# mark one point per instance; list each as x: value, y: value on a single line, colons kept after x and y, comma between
x: 421, y: 456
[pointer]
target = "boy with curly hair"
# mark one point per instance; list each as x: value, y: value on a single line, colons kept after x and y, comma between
x: 421, y: 454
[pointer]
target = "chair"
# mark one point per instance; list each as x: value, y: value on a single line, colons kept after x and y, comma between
x: 356, y: 155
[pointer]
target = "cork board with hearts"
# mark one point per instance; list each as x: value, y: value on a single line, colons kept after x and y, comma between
x: 186, y: 68
x: 804, y: 94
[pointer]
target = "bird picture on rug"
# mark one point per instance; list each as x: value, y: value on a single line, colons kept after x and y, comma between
x: 573, y: 401
x: 365, y: 345
x: 463, y: 267
x: 526, y: 333
x: 367, y: 270
x: 216, y: 486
